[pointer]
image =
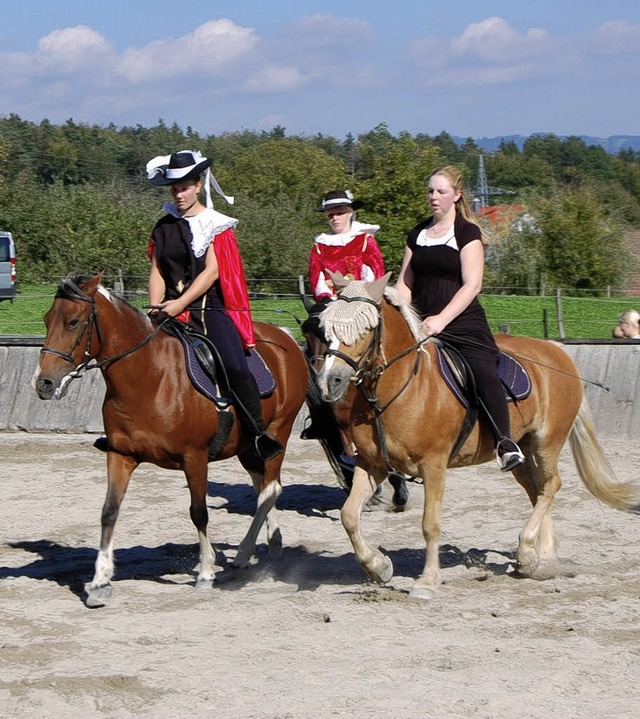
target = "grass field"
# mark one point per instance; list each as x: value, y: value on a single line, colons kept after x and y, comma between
x: 583, y: 318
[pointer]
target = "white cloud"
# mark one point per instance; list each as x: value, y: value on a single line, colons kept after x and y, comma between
x: 489, y: 52
x: 617, y: 37
x: 494, y: 40
x: 212, y: 49
x: 274, y: 78
x: 328, y: 73
x: 72, y: 50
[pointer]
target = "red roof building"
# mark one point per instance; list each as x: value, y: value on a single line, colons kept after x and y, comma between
x: 498, y: 219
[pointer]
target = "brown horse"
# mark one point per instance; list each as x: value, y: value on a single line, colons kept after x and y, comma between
x: 405, y: 416
x: 152, y: 412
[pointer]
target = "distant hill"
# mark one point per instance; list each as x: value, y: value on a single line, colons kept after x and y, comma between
x: 612, y: 144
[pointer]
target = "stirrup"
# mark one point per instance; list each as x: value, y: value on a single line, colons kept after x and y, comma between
x: 509, y: 460
x: 267, y: 446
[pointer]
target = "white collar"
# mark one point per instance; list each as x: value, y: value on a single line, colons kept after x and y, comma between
x: 357, y: 228
x: 204, y: 226
x: 423, y: 241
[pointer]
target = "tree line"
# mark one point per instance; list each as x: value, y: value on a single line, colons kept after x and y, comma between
x: 76, y: 197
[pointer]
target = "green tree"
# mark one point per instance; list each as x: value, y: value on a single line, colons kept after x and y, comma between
x: 449, y: 150
x: 289, y: 169
x: 567, y: 240
x: 582, y: 247
x: 395, y: 195
x: 274, y: 238
x: 84, y: 228
x: 515, y: 265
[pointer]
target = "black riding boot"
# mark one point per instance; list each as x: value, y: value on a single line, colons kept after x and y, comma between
x: 249, y: 411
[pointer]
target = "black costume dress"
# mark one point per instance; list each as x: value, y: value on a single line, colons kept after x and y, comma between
x: 437, y: 276
x: 179, y: 266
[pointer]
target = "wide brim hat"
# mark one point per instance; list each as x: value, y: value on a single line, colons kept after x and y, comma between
x: 338, y: 198
x: 180, y: 166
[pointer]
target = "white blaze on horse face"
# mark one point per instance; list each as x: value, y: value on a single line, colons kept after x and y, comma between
x: 330, y: 359
x: 337, y: 374
x: 327, y: 364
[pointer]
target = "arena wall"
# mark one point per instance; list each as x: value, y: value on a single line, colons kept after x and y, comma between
x: 616, y: 412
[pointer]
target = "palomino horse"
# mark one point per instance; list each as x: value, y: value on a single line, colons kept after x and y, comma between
x: 152, y: 412
x: 405, y: 416
x: 331, y: 422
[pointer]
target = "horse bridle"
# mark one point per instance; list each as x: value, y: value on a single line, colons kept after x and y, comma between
x: 359, y: 366
x: 363, y: 370
x: 70, y: 290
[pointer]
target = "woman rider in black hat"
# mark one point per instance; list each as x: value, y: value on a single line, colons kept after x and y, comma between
x: 197, y: 276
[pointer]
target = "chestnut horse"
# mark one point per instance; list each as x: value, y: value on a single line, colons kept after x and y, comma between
x: 406, y: 417
x: 152, y: 412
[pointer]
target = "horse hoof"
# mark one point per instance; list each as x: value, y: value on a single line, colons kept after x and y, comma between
x: 540, y: 571
x: 527, y: 565
x: 400, y: 499
x: 99, y: 596
x: 275, y: 545
x: 241, y: 562
x: 383, y: 574
x: 421, y: 593
x: 400, y: 491
x: 387, y: 573
x: 204, y: 583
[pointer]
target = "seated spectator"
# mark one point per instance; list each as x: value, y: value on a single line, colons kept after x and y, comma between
x: 629, y: 324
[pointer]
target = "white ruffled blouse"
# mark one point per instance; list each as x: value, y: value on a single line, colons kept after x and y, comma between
x: 204, y: 226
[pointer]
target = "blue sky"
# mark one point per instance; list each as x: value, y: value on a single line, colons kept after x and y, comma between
x: 469, y: 67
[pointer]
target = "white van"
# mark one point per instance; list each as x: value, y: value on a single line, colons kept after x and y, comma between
x: 7, y: 267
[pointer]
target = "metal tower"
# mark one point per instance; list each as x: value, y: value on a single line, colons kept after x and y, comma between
x: 482, y: 189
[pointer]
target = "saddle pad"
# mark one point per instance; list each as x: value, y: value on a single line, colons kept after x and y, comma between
x: 514, y: 378
x: 202, y: 382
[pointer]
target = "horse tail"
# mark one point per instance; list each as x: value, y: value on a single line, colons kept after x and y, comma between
x: 594, y: 468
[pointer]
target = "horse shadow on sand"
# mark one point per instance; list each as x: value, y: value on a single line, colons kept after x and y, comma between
x: 303, y: 568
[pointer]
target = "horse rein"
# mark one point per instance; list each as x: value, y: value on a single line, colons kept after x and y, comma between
x: 523, y: 358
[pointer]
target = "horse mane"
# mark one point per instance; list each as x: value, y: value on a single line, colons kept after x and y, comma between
x: 407, y: 311
x: 71, y: 287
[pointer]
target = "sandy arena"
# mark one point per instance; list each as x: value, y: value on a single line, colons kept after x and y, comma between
x: 307, y: 636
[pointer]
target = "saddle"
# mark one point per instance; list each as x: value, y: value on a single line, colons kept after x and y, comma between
x: 206, y: 370
x: 458, y: 376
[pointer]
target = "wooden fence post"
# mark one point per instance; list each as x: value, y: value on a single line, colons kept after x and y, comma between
x: 559, y: 312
